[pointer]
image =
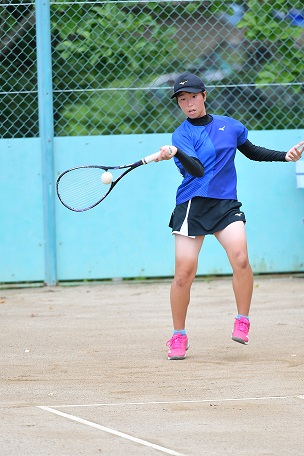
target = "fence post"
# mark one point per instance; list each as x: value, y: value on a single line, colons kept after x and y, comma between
x: 46, y: 133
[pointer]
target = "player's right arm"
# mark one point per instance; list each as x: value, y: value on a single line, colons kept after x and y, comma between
x: 192, y: 165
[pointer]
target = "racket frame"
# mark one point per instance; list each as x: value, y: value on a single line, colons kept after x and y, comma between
x: 129, y: 167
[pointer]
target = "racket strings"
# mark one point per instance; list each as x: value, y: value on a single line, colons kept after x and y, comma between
x: 82, y: 188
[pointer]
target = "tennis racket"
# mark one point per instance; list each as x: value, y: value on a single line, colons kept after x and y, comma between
x: 82, y: 188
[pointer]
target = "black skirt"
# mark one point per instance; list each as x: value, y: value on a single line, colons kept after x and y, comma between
x: 200, y: 216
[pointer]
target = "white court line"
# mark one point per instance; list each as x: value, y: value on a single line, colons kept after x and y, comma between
x: 110, y: 431
x: 201, y: 401
x: 144, y: 442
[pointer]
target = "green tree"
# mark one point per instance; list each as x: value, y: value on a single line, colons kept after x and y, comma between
x: 94, y: 47
x: 18, y: 71
x: 107, y: 42
x: 99, y: 48
x: 264, y: 24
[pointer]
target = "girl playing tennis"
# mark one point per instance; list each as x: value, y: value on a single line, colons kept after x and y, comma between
x: 204, y: 148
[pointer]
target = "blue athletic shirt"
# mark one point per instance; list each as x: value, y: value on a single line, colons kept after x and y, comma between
x: 215, y: 146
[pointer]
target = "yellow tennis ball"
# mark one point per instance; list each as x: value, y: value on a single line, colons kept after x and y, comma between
x: 107, y: 177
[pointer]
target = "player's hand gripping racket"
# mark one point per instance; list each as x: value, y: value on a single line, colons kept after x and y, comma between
x: 83, y: 187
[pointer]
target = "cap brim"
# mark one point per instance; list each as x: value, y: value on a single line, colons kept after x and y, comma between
x: 187, y: 89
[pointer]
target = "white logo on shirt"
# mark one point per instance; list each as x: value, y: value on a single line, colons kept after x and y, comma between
x: 222, y: 128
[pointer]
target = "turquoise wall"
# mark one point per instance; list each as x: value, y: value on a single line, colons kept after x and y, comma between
x: 127, y: 235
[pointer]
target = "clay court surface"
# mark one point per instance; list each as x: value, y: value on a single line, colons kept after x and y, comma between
x: 84, y: 371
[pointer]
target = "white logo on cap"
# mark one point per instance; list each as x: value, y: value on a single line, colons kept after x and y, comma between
x: 184, y: 82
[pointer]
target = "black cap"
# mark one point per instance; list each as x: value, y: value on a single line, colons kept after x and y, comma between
x: 188, y: 82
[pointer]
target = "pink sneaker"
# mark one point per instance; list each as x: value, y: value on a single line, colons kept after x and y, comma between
x: 241, y: 330
x: 178, y: 344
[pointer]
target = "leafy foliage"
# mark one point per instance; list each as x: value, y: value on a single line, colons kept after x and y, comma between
x: 263, y: 24
x: 107, y: 55
x: 107, y: 42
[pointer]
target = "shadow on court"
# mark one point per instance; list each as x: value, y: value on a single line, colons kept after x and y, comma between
x: 84, y: 371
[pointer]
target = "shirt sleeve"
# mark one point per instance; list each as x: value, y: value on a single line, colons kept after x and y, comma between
x: 240, y: 130
x: 258, y: 153
x: 192, y: 165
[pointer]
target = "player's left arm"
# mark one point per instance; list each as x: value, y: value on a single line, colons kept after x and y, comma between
x: 259, y: 153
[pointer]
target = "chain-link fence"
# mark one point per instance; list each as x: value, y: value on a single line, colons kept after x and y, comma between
x: 114, y: 63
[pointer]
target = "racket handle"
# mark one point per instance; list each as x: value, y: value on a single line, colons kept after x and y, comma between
x: 150, y: 158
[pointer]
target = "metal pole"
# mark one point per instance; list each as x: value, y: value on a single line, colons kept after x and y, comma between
x: 46, y: 133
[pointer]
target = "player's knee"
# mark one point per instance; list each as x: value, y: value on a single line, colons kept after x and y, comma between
x: 241, y: 261
x: 184, y: 278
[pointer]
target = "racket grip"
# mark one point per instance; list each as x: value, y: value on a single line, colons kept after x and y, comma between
x: 150, y: 158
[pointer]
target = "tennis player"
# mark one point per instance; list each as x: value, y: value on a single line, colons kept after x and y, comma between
x: 204, y: 148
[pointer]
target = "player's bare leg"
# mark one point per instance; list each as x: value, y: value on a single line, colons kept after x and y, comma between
x: 186, y: 260
x: 233, y: 239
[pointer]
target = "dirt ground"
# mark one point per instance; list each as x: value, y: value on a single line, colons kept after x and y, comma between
x: 84, y: 371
